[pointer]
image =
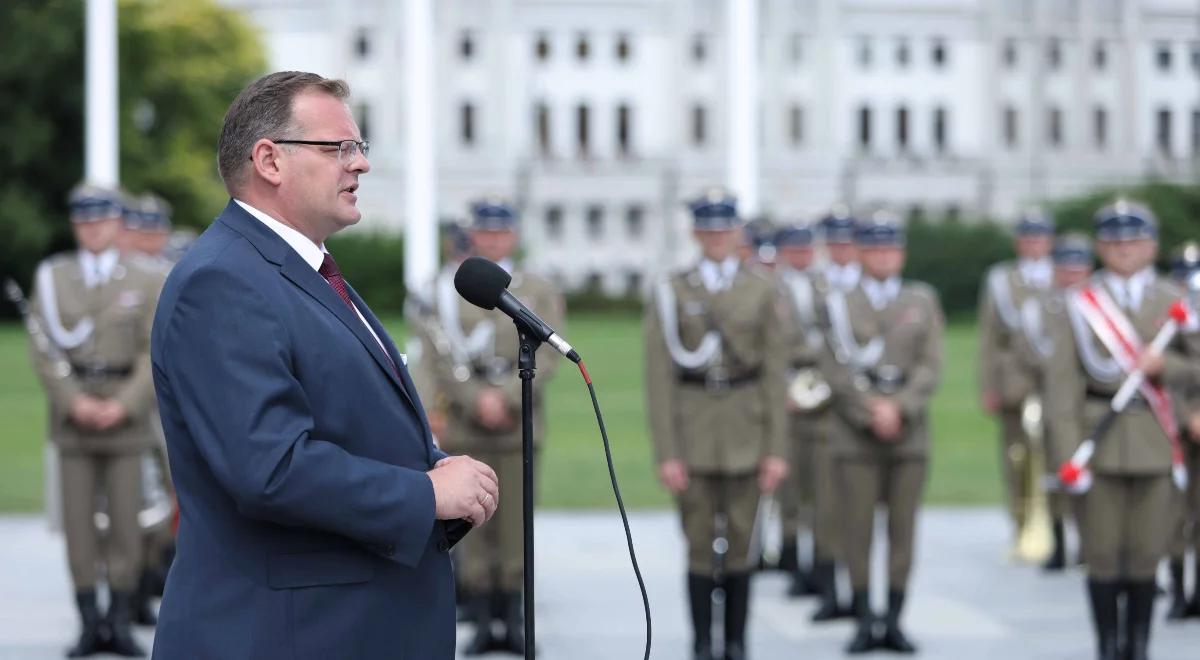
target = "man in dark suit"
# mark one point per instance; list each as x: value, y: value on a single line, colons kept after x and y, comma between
x: 315, y: 509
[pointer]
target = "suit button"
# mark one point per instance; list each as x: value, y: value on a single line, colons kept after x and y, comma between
x: 443, y: 545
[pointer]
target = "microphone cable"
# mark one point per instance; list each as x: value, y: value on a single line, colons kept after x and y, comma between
x: 612, y: 475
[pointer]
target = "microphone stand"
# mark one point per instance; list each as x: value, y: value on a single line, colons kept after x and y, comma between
x: 527, y: 365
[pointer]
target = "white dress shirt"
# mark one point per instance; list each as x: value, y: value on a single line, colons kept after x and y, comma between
x: 843, y: 278
x: 718, y: 276
x: 881, y: 294
x: 1038, y: 273
x: 311, y: 253
x: 97, y: 268
x: 1129, y: 292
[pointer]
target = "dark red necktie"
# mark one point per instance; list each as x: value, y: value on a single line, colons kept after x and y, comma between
x: 329, y: 270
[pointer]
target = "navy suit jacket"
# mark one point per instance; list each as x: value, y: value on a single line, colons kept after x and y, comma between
x: 299, y: 455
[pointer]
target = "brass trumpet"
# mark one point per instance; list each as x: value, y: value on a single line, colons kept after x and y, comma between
x: 1034, y: 539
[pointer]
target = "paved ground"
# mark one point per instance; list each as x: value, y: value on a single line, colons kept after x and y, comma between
x: 966, y: 603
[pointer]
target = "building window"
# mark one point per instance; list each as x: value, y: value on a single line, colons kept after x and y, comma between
x: 902, y: 54
x: 1196, y: 57
x: 624, y: 47
x: 1163, y: 131
x: 1100, y: 56
x: 796, y: 49
x: 902, y: 129
x: 582, y: 47
x: 864, y: 52
x: 1054, y: 127
x: 1010, y: 53
x: 541, y: 120
x: 864, y: 128
x: 582, y: 133
x: 699, y: 125
x: 700, y: 48
x: 1100, y: 127
x: 466, y: 45
x: 541, y: 47
x: 1162, y: 55
x: 593, y: 282
x: 940, y: 53
x: 624, y: 130
x: 554, y: 222
x: 1011, y: 134
x: 941, y: 129
x: 1196, y: 132
x: 466, y: 123
x: 633, y: 283
x: 362, y: 44
x: 595, y: 221
x: 1054, y: 54
x: 796, y: 125
x: 362, y: 115
x: 634, y: 220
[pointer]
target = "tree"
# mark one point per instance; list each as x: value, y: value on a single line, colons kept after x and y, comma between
x: 180, y: 65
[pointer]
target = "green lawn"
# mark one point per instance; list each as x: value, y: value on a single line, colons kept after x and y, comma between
x: 573, y: 472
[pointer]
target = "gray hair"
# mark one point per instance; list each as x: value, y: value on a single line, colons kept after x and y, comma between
x: 264, y: 110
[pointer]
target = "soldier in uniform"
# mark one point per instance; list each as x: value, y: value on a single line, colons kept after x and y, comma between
x: 715, y: 400
x: 842, y: 269
x: 884, y: 362
x: 483, y: 395
x: 93, y: 310
x: 1185, y: 537
x: 795, y: 257
x: 1004, y: 383
x: 1127, y: 507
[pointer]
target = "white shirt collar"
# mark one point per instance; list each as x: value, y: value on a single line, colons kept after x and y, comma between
x: 718, y: 276
x: 1134, y: 286
x: 845, y: 277
x: 507, y: 264
x: 312, y: 253
x: 98, y: 268
x: 1036, y: 272
x: 881, y: 294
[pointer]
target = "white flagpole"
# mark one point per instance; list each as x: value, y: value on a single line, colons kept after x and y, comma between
x: 101, y: 146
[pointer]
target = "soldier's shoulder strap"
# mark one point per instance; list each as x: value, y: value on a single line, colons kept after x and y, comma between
x: 999, y: 285
x: 666, y: 304
x: 47, y: 296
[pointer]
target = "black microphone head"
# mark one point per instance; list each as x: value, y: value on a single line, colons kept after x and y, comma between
x: 480, y: 282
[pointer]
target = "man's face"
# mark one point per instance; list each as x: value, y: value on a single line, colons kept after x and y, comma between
x: 98, y: 235
x: 1034, y: 246
x: 151, y: 242
x: 842, y: 253
x: 494, y: 245
x: 798, y: 257
x: 1068, y: 275
x: 717, y: 245
x: 883, y: 261
x: 319, y: 191
x: 1127, y: 257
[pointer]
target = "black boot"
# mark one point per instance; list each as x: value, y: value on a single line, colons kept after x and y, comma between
x: 864, y: 635
x: 91, y: 638
x: 828, y: 607
x: 1179, y: 604
x: 1058, y: 558
x: 789, y: 556
x: 1103, y: 597
x: 893, y: 638
x: 479, y: 609
x: 1193, y: 609
x: 700, y: 590
x: 737, y: 608
x: 514, y: 623
x: 143, y: 612
x: 120, y: 626
x: 1139, y: 610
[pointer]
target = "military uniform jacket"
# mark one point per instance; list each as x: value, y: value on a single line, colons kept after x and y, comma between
x: 1086, y: 378
x: 1035, y: 346
x: 121, y: 312
x: 1000, y: 368
x: 493, y: 363
x: 803, y: 311
x: 719, y: 429
x: 910, y: 329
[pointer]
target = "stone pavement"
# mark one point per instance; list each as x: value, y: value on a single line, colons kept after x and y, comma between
x: 967, y: 602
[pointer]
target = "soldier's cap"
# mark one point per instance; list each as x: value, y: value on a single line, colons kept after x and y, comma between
x: 1035, y: 222
x: 715, y: 210
x: 1185, y: 260
x: 1072, y: 250
x: 838, y: 226
x: 1125, y: 220
x: 90, y: 203
x: 493, y: 214
x: 794, y: 236
x: 148, y: 212
x: 883, y: 229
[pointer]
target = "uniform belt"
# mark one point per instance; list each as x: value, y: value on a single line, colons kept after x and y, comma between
x: 99, y: 372
x: 716, y: 380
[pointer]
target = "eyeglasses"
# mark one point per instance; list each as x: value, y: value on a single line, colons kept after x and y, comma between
x: 347, y: 149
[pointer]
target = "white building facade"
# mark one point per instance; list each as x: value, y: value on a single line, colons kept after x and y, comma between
x: 599, y: 118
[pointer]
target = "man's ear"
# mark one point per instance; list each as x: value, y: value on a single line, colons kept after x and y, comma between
x: 265, y: 159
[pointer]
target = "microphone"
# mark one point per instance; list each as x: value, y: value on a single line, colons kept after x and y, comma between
x: 485, y: 284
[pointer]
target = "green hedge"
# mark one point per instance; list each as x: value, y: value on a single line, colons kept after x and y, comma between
x: 954, y: 257
x: 373, y: 263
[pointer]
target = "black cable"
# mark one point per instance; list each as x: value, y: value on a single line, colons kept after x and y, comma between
x: 612, y: 475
